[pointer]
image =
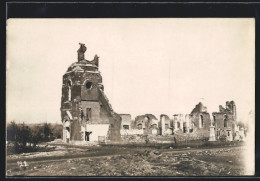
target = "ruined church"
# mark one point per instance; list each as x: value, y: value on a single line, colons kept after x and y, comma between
x: 195, y: 125
x: 87, y: 115
x: 85, y: 110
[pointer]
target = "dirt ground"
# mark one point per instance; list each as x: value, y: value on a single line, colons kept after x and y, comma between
x: 67, y: 160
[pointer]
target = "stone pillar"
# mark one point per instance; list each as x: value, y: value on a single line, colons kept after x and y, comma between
x: 64, y: 135
x: 181, y: 123
x: 175, y: 122
x: 67, y: 136
x: 163, y: 125
x: 187, y: 120
x: 212, y: 136
x: 175, y: 125
x: 146, y: 125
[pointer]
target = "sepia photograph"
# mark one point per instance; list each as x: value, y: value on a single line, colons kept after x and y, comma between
x: 130, y: 97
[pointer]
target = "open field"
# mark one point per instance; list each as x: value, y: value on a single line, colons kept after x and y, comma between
x: 116, y: 160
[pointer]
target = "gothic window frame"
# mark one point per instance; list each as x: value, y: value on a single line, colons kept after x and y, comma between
x: 225, y: 121
x: 201, y: 124
x: 214, y: 120
x: 69, y: 84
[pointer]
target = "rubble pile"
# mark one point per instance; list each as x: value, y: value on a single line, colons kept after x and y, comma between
x: 149, y: 162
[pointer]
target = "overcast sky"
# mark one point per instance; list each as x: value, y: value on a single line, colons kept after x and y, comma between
x: 158, y: 66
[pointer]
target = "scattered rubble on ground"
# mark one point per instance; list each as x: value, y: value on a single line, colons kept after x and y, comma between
x: 149, y: 162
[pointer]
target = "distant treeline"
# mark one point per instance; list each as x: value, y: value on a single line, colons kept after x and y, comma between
x: 26, y: 137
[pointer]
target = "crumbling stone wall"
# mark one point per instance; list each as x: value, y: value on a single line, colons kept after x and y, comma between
x: 147, y: 121
x: 225, y: 119
x: 114, y: 129
x: 197, y: 134
x: 200, y: 117
x: 196, y: 119
x: 199, y: 108
x: 178, y: 122
x: 126, y: 120
x: 219, y: 120
x: 196, y: 128
x: 76, y: 130
x: 165, y: 125
x: 115, y: 120
x: 128, y: 126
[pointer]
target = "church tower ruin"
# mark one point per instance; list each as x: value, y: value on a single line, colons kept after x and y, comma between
x: 86, y: 113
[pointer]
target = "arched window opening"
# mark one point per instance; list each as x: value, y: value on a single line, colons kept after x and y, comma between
x: 139, y: 126
x: 214, y: 120
x: 69, y: 91
x: 201, y: 121
x: 225, y: 120
x: 184, y: 127
x: 154, y: 126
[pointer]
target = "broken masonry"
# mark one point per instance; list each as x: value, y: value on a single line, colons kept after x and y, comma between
x: 87, y: 115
